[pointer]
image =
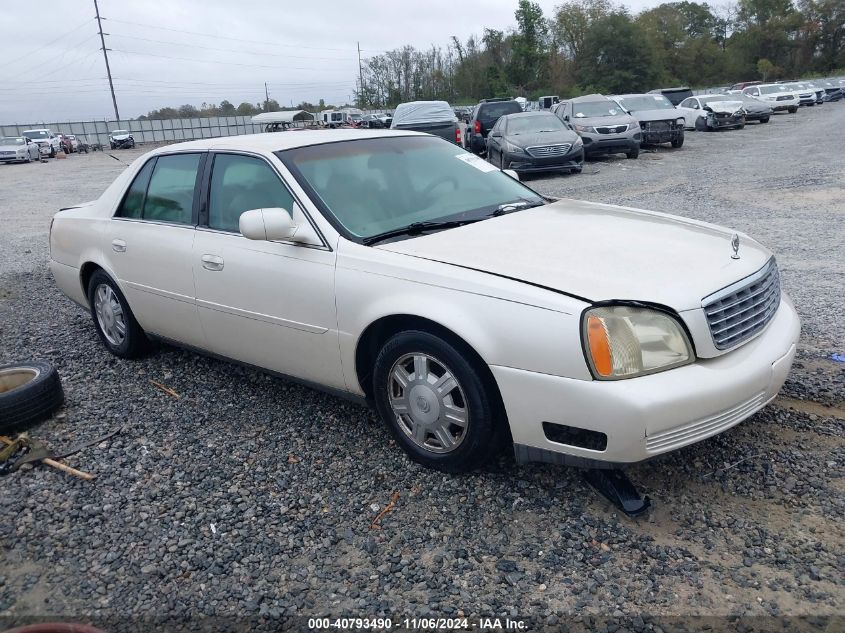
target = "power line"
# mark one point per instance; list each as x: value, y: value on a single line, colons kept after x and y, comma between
x: 228, y: 50
x: 48, y: 45
x: 236, y: 39
x: 214, y: 61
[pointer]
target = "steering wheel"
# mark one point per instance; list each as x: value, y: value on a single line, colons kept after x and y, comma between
x: 431, y: 187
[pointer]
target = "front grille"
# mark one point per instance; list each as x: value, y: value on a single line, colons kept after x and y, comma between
x: 7, y: 153
x: 542, y: 151
x: 743, y: 309
x: 612, y: 129
x: 783, y: 98
x: 658, y: 126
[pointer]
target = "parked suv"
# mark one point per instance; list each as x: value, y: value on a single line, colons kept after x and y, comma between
x: 603, y: 125
x: 776, y: 95
x: 432, y: 117
x: 659, y: 120
x: 483, y: 118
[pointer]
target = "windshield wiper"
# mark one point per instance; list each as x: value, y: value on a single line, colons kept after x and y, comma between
x: 518, y: 205
x: 417, y: 228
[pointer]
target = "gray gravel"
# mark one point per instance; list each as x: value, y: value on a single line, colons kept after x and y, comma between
x: 250, y: 496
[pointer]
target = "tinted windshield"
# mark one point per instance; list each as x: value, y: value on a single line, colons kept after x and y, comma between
x: 35, y: 134
x: 12, y: 140
x: 534, y: 124
x: 595, y: 108
x: 375, y: 185
x: 646, y: 102
x: 494, y: 110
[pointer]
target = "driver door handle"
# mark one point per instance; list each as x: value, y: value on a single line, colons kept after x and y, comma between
x: 212, y: 262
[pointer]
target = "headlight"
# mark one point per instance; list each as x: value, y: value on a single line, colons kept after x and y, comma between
x: 513, y: 149
x: 626, y: 341
x: 634, y: 125
x: 680, y: 121
x: 589, y: 129
x: 578, y: 142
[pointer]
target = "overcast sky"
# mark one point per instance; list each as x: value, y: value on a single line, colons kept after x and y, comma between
x: 171, y: 52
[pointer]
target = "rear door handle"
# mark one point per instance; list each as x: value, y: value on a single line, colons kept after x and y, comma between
x: 212, y: 262
x: 118, y: 246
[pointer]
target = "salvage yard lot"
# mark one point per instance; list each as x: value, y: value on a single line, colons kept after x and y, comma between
x: 248, y: 495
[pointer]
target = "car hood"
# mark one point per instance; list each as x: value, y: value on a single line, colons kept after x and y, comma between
x: 602, y: 121
x: 542, y: 138
x: 751, y: 106
x: 597, y: 252
x: 657, y: 115
x: 724, y: 107
x: 120, y: 137
x: 9, y: 148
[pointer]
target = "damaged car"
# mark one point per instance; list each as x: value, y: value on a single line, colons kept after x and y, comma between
x: 603, y: 125
x: 712, y: 112
x: 755, y: 110
x: 121, y: 139
x: 659, y: 121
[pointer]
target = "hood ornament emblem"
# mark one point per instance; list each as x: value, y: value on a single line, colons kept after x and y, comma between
x: 735, y: 246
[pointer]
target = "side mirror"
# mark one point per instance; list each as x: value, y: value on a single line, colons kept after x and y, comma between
x: 565, y: 117
x: 512, y: 174
x: 267, y: 224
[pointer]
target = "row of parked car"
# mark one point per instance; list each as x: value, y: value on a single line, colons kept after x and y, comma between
x: 562, y: 135
x: 40, y: 143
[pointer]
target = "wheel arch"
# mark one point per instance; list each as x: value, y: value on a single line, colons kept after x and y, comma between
x: 377, y: 333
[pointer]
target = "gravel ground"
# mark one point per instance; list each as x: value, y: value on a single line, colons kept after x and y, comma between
x: 250, y: 496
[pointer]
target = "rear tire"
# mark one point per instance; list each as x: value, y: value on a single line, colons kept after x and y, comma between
x: 438, y: 406
x: 29, y: 393
x: 113, y: 318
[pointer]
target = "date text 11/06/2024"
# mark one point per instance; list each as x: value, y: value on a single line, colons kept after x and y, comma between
x: 413, y: 624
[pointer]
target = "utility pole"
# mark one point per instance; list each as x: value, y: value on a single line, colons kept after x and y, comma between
x: 361, y: 79
x: 266, y: 96
x: 106, y: 56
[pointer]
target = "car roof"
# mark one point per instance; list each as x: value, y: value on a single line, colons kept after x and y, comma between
x: 275, y: 141
x: 589, y: 98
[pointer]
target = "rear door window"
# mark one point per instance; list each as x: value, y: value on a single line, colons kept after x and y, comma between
x: 133, y: 203
x: 170, y: 194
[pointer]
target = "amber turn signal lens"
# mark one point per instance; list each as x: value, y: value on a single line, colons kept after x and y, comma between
x: 599, y: 346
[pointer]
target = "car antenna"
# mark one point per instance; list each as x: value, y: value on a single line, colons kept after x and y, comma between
x: 117, y: 159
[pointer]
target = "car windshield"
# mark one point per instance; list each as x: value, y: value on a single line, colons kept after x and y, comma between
x: 12, y: 140
x: 646, y: 102
x: 595, y: 108
x: 35, y: 134
x: 768, y: 90
x: 492, y: 111
x: 535, y: 123
x: 116, y: 132
x: 371, y: 186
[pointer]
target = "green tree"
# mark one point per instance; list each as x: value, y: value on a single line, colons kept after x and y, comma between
x: 226, y: 108
x: 618, y: 56
x: 528, y: 45
x: 765, y: 68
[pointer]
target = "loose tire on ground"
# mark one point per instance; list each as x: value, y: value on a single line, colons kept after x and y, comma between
x: 29, y: 393
x: 113, y: 318
x: 470, y: 394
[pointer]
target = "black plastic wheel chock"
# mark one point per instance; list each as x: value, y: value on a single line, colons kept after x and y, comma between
x: 617, y: 488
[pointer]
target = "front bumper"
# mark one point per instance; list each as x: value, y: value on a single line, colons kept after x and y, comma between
x: 524, y: 163
x: 650, y: 415
x: 599, y: 144
x: 756, y: 116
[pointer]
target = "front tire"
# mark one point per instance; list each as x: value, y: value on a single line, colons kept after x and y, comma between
x: 113, y: 319
x: 793, y: 110
x: 633, y: 153
x: 765, y: 119
x: 437, y: 404
x: 678, y: 142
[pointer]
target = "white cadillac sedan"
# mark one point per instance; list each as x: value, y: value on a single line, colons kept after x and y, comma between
x: 402, y: 271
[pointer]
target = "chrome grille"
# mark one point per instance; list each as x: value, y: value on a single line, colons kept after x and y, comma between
x: 743, y: 309
x: 541, y: 151
x: 611, y: 129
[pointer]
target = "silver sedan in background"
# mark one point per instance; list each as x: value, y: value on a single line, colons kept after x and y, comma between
x: 18, y: 149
